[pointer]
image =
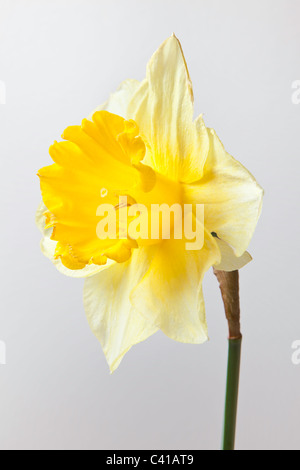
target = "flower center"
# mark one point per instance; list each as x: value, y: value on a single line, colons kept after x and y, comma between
x: 102, y: 200
x: 157, y: 210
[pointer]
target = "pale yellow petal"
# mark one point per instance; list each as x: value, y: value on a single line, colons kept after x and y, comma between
x: 118, y: 101
x: 231, y: 195
x: 163, y: 110
x: 111, y: 316
x: 171, y: 292
x: 229, y: 261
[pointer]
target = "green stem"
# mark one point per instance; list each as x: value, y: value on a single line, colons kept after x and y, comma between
x: 232, y: 391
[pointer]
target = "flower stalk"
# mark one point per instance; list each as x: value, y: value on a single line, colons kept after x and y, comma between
x: 229, y: 286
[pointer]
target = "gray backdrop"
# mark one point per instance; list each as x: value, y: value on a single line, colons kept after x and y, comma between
x: 59, y: 60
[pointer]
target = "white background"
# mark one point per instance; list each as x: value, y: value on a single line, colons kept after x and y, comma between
x: 59, y: 60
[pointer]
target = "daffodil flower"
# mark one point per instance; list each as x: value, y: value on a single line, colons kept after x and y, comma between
x: 145, y: 144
